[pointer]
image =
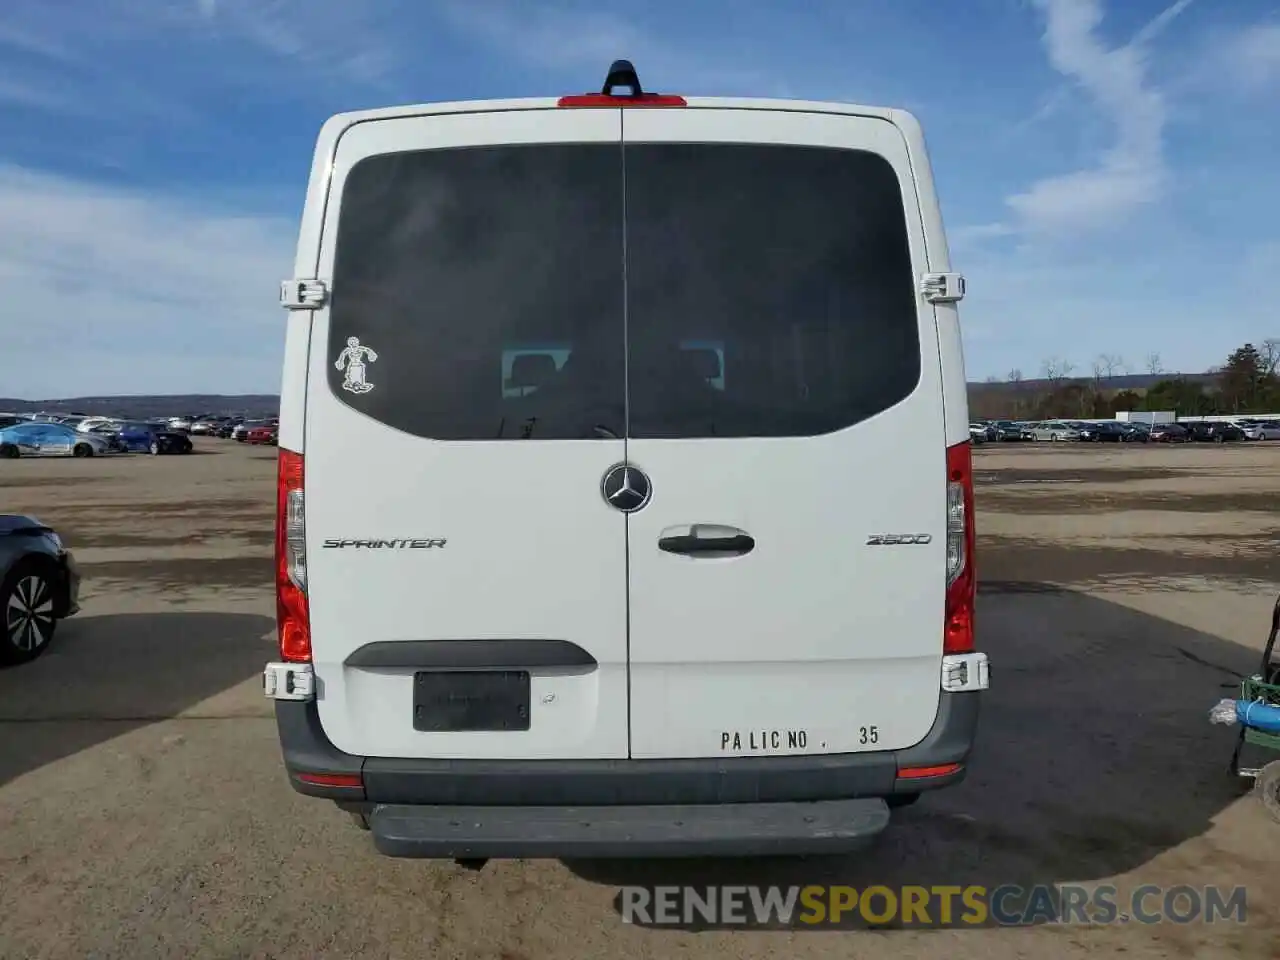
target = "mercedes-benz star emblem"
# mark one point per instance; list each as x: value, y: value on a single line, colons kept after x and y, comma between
x: 625, y: 488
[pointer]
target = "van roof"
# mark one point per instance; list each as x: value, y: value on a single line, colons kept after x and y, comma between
x: 341, y: 121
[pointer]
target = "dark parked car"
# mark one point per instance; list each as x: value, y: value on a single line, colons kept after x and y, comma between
x: 153, y: 438
x: 1169, y: 433
x: 1216, y: 432
x: 224, y: 428
x: 1007, y: 431
x: 1102, y: 432
x: 39, y: 586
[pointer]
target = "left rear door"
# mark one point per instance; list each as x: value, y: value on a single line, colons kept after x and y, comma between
x: 465, y: 396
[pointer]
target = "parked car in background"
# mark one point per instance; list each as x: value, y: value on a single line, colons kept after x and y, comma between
x: 1214, y: 432
x: 203, y: 428
x: 1055, y: 430
x: 224, y: 428
x: 50, y: 440
x: 180, y: 424
x: 241, y: 430
x: 1107, y: 432
x: 978, y: 433
x: 262, y: 435
x: 1169, y: 433
x: 153, y: 438
x: 1135, y: 433
x: 1260, y: 429
x: 1007, y: 431
x: 39, y: 586
x: 92, y: 424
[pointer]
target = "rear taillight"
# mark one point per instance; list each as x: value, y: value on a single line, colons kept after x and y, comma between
x: 961, y: 579
x: 293, y: 620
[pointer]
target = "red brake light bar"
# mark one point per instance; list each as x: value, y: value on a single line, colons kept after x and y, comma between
x: 609, y: 100
x: 622, y: 74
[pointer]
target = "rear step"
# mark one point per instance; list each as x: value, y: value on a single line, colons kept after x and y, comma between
x: 472, y: 835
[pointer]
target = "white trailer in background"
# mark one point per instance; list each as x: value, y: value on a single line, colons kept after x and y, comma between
x: 1146, y: 416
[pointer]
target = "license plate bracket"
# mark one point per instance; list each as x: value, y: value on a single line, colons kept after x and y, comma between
x: 455, y: 701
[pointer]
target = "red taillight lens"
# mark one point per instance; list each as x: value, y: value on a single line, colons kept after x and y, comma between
x: 608, y: 100
x: 925, y: 773
x: 962, y: 581
x: 352, y: 781
x: 293, y: 618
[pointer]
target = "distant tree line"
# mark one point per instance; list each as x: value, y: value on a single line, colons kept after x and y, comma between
x: 1248, y: 382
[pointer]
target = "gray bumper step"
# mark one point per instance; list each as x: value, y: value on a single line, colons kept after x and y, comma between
x: 731, y: 829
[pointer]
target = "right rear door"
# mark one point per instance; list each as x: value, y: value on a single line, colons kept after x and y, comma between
x: 784, y: 386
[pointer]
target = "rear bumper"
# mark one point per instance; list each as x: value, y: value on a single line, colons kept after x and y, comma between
x: 706, y: 830
x: 506, y: 808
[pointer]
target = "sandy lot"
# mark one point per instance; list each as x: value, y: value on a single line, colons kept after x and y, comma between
x: 144, y: 811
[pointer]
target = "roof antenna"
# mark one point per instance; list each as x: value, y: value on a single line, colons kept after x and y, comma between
x: 622, y: 74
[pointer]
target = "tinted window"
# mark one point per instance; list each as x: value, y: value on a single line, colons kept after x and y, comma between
x: 488, y: 284
x: 770, y: 290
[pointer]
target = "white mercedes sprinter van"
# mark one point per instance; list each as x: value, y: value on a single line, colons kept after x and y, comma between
x: 625, y: 502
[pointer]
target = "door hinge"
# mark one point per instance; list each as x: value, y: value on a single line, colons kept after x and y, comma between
x: 288, y: 681
x: 303, y: 294
x: 943, y: 287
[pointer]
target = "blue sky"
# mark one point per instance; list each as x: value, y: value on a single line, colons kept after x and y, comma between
x: 1107, y: 168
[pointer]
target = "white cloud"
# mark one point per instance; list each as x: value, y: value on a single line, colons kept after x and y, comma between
x: 555, y: 37
x: 341, y: 39
x: 1132, y: 172
x: 32, y: 42
x: 21, y: 94
x: 1253, y: 56
x: 111, y: 291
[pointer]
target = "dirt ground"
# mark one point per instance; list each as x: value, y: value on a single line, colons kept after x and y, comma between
x: 144, y: 811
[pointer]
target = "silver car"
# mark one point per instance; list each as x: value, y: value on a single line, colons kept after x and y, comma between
x: 1261, y: 430
x: 51, y: 440
x: 1055, y: 430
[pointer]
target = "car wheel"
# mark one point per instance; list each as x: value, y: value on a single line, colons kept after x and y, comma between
x: 154, y: 448
x: 82, y: 450
x: 27, y: 602
x: 9, y: 451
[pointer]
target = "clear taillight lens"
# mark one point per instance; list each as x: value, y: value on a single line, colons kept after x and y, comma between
x: 956, y: 518
x: 295, y: 533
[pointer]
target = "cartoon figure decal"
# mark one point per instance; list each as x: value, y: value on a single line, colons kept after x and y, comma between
x: 354, y: 359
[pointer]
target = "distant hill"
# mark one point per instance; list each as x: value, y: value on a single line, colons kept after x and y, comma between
x: 1129, y: 381
x: 148, y: 407
x: 268, y: 405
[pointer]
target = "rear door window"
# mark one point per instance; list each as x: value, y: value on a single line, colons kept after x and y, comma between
x: 770, y: 290
x: 488, y: 282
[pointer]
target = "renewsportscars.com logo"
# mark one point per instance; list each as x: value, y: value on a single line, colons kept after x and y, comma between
x: 1010, y: 905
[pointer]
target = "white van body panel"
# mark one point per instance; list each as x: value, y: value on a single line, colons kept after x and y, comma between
x: 815, y: 631
x: 814, y: 642
x: 504, y: 508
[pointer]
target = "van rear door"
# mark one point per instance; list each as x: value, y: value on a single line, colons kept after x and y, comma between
x: 465, y: 395
x: 787, y: 574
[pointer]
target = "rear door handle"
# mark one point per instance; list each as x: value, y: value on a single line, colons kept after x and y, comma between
x: 706, y: 539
